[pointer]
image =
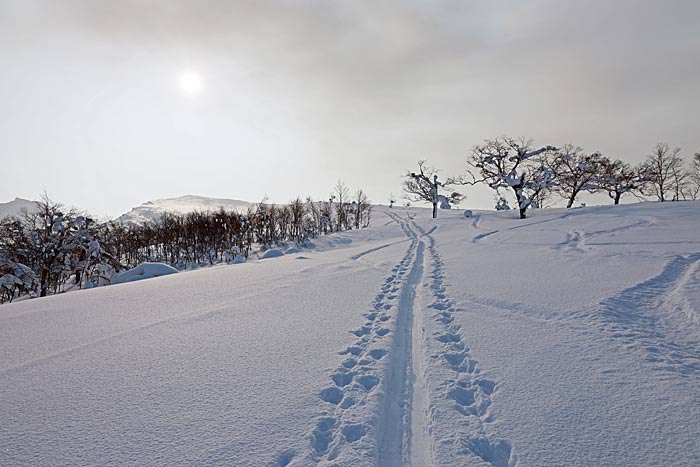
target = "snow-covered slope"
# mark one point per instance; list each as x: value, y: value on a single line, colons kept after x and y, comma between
x: 567, y: 339
x: 15, y: 207
x: 152, y: 210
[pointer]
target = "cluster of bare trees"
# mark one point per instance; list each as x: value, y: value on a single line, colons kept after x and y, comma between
x: 533, y: 175
x: 50, y: 248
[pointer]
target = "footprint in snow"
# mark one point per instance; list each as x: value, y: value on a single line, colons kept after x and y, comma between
x: 377, y: 354
x: 352, y: 350
x: 283, y: 459
x: 322, y: 435
x: 368, y: 381
x: 354, y: 432
x: 462, y: 396
x: 448, y: 337
x: 332, y: 395
x: 362, y: 331
x: 343, y: 378
x: 349, y: 363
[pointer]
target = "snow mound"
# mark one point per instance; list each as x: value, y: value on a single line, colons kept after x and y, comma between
x: 239, y: 259
x: 292, y: 250
x: 143, y: 271
x: 272, y: 253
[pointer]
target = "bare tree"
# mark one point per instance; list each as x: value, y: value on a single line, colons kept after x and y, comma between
x: 663, y: 171
x: 362, y: 209
x: 341, y: 196
x: 575, y: 171
x: 618, y: 178
x: 425, y: 186
x: 694, y: 177
x: 511, y: 163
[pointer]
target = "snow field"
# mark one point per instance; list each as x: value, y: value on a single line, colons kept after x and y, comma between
x: 567, y: 339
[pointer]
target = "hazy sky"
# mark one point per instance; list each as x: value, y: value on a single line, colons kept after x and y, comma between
x: 297, y: 94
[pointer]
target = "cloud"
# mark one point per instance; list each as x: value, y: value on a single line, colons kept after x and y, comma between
x: 384, y: 83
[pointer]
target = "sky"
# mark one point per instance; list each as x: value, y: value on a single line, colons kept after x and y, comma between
x: 107, y: 104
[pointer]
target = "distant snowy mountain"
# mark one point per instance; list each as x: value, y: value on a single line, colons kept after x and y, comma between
x: 152, y: 210
x: 15, y: 207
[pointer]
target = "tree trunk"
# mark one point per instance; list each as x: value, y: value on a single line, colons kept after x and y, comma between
x: 44, y: 282
x: 572, y: 198
x: 617, y: 198
x: 521, y: 208
x: 434, y: 209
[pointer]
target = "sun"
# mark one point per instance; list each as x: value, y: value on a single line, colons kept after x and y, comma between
x: 191, y: 83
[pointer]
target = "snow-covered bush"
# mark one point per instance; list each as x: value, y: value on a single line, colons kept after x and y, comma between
x: 502, y: 205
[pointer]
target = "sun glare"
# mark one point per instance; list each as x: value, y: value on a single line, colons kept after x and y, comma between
x: 191, y: 83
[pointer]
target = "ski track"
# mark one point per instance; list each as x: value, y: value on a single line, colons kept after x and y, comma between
x: 372, y: 250
x: 349, y: 429
x: 368, y: 416
x: 629, y: 317
x: 461, y: 403
x: 483, y: 235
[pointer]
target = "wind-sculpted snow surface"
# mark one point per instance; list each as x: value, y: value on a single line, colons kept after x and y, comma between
x: 570, y: 338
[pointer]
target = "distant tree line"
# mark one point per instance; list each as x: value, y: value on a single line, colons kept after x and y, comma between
x: 533, y: 175
x: 48, y: 249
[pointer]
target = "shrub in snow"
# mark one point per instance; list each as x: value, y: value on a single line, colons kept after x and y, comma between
x: 502, y: 205
x: 444, y: 202
x: 15, y: 279
x: 468, y: 213
x: 143, y: 271
x: 240, y: 258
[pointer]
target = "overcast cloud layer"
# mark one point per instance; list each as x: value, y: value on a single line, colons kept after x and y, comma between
x: 298, y: 94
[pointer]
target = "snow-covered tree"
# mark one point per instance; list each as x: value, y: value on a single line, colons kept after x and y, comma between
x: 15, y: 279
x: 618, y: 178
x: 575, y: 171
x: 512, y: 164
x: 425, y: 186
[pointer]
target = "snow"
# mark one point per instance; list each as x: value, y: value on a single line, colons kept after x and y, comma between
x: 152, y: 210
x: 570, y: 338
x: 15, y: 207
x: 272, y: 253
x: 143, y: 271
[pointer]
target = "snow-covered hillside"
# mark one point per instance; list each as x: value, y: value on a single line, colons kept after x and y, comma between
x: 571, y: 338
x: 152, y: 210
x: 15, y: 207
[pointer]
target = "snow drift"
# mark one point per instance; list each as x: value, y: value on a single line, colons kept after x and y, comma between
x: 143, y: 271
